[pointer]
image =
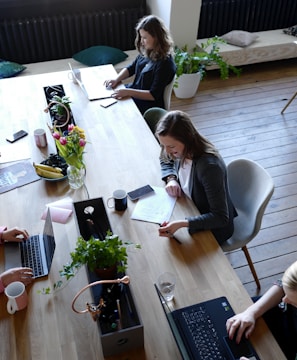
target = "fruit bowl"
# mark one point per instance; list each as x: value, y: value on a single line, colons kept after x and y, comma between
x: 54, y: 161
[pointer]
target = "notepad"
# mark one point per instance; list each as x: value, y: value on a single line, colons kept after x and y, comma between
x: 155, y: 208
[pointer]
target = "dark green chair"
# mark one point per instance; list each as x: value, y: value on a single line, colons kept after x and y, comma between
x: 152, y: 116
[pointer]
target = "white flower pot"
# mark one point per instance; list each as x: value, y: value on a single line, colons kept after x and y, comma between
x: 187, y: 85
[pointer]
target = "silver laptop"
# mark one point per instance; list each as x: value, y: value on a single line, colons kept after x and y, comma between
x: 36, y: 252
x: 91, y: 81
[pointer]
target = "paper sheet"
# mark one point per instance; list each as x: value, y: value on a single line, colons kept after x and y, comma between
x: 156, y: 208
x: 61, y: 210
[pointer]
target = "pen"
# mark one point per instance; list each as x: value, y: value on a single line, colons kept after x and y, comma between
x: 171, y: 236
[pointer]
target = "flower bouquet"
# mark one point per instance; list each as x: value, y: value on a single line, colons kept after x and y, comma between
x: 70, y: 145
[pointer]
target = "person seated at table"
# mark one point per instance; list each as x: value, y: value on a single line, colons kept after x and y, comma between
x: 23, y: 274
x: 153, y: 69
x: 278, y: 308
x: 191, y: 165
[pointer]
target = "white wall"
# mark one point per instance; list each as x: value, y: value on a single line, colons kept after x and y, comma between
x: 180, y: 16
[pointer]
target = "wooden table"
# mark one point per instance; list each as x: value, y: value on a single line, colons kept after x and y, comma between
x: 121, y: 153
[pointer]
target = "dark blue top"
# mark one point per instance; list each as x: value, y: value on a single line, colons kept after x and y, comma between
x: 153, y: 76
x: 210, y: 193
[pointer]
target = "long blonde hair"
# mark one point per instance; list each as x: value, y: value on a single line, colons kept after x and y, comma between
x: 290, y: 277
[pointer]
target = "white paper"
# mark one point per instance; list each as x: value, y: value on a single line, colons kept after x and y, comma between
x: 13, y: 152
x: 155, y: 208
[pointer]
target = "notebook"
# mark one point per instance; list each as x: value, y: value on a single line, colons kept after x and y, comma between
x: 91, y: 81
x: 200, y: 331
x: 36, y: 252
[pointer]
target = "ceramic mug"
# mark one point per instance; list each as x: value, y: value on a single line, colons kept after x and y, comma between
x: 17, y: 297
x: 119, y: 197
x: 40, y: 137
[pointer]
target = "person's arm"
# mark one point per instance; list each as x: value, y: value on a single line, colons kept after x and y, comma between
x: 113, y: 83
x: 13, y: 235
x: 23, y: 274
x: 244, y: 323
x: 212, y: 178
x: 2, y: 229
x: 170, y: 176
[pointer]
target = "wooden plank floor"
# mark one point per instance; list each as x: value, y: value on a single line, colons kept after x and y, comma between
x: 241, y: 116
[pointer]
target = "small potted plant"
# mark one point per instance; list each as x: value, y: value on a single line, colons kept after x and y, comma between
x: 59, y: 107
x: 106, y: 258
x: 191, y: 66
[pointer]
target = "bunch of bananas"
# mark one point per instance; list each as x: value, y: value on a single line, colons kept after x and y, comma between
x: 48, y: 172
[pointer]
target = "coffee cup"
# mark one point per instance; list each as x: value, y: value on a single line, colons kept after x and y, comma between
x: 119, y: 199
x: 75, y: 75
x: 40, y: 137
x: 17, y: 297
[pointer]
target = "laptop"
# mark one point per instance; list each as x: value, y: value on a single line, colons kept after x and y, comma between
x: 91, y: 81
x: 200, y: 331
x: 36, y: 252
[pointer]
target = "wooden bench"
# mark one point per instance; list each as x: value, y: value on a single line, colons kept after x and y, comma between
x: 271, y: 45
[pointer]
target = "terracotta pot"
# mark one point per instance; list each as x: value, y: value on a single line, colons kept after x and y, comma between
x: 107, y: 273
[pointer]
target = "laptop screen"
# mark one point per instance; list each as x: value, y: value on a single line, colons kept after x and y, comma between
x: 49, y: 240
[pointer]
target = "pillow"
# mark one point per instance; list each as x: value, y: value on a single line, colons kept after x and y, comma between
x: 100, y: 55
x: 292, y: 30
x: 240, y: 38
x: 9, y: 69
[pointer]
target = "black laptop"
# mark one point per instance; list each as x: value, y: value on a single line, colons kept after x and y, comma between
x: 36, y: 252
x: 200, y: 331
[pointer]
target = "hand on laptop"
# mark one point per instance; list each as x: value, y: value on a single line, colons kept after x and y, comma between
x: 23, y: 274
x: 15, y: 234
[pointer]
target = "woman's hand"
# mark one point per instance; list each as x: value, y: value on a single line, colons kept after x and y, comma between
x: 167, y: 229
x: 15, y: 235
x: 240, y: 324
x: 111, y: 84
x: 23, y: 274
x: 173, y: 188
x: 121, y: 93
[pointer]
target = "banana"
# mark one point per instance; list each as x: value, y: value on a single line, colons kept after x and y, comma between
x: 48, y: 168
x: 48, y: 174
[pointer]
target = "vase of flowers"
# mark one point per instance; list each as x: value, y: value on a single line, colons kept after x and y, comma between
x: 70, y: 145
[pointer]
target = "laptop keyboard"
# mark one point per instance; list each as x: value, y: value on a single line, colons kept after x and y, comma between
x: 204, y: 334
x: 31, y: 255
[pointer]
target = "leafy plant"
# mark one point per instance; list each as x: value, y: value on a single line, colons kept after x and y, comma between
x: 60, y: 109
x: 197, y: 60
x: 94, y: 253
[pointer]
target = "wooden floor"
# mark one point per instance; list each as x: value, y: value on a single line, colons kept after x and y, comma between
x: 241, y: 116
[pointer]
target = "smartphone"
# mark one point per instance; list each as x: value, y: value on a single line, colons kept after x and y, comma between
x: 140, y: 192
x: 16, y: 136
x: 107, y: 102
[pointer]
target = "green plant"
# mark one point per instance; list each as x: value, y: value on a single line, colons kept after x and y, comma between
x: 197, y: 60
x: 94, y: 253
x: 58, y: 109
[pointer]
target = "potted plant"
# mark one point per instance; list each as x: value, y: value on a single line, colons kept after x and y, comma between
x: 191, y: 66
x: 107, y: 258
x: 60, y: 111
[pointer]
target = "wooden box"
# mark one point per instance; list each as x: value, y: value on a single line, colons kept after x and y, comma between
x: 116, y: 335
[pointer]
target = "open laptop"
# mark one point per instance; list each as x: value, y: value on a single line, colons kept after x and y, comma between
x: 36, y: 252
x: 200, y: 331
x: 91, y: 81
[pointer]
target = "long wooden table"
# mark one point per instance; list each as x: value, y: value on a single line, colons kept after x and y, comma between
x: 121, y: 153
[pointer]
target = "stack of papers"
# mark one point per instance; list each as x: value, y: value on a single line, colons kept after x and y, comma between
x: 156, y: 207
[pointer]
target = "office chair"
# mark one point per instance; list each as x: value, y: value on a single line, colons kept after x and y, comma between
x: 251, y: 188
x: 167, y: 93
x: 152, y: 116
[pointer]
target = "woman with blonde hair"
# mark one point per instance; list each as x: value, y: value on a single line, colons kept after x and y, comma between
x: 153, y: 69
x: 278, y: 306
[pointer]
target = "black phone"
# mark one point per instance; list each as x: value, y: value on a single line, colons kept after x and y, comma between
x: 140, y: 192
x: 16, y: 136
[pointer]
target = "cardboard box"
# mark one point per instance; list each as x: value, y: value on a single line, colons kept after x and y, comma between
x: 117, y: 333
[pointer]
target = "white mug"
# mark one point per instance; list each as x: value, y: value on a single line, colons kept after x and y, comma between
x: 17, y: 297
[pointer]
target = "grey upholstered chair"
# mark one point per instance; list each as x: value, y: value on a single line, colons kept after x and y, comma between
x: 167, y: 93
x: 251, y: 188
